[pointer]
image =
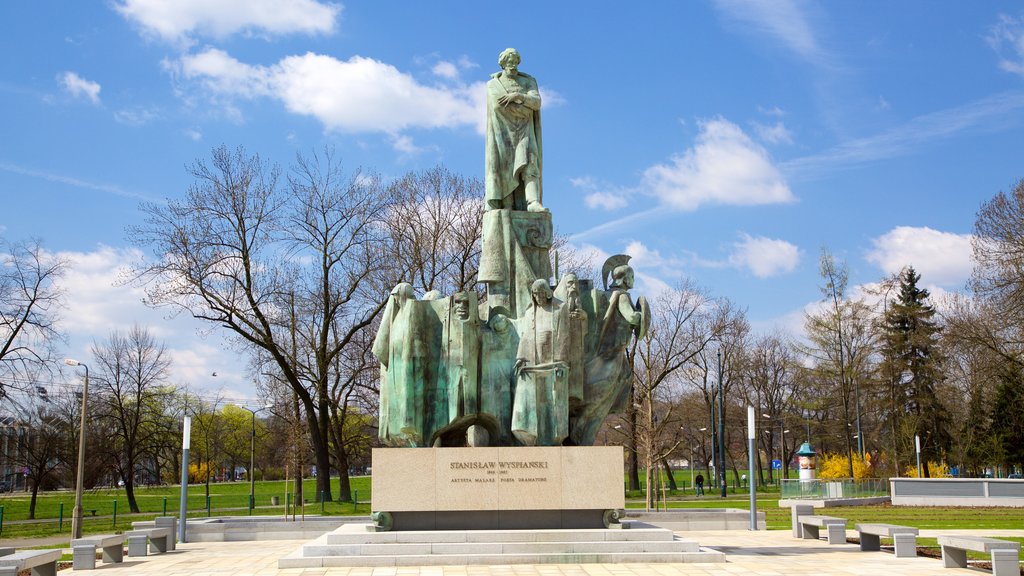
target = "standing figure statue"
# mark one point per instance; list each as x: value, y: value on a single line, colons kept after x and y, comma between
x: 608, y: 374
x: 514, y: 151
x: 403, y: 368
x: 540, y: 410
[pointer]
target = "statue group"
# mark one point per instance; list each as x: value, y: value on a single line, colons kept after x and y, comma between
x: 532, y: 364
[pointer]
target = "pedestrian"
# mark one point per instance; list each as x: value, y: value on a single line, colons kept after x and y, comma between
x: 700, y: 485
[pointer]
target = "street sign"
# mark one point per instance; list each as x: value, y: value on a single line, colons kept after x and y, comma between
x: 776, y: 464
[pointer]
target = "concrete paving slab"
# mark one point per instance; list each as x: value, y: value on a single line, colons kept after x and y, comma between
x: 762, y: 553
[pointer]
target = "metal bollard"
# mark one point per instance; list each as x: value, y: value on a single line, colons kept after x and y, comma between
x: 114, y: 524
x: 208, y: 499
x: 165, y: 507
x: 355, y: 499
x: 60, y: 517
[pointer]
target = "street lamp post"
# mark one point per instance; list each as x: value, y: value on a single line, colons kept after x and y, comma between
x: 721, y: 423
x: 252, y: 459
x: 76, y: 514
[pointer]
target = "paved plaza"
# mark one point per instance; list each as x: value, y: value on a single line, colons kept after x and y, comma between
x: 763, y: 553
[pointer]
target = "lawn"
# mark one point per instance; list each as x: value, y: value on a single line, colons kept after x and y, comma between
x: 112, y: 514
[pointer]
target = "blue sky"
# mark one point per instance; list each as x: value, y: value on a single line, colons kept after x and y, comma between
x: 725, y: 141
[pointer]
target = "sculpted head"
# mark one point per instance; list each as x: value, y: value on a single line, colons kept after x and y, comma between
x: 461, y: 304
x: 572, y: 284
x: 403, y: 292
x: 622, y: 277
x: 541, y: 291
x: 499, y: 323
x: 509, y: 60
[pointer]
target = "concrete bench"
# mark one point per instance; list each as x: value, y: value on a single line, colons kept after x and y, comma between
x: 4, y: 551
x: 84, y: 549
x: 1003, y: 553
x: 42, y: 562
x: 811, y: 526
x: 161, y: 522
x: 904, y: 538
x: 159, y: 541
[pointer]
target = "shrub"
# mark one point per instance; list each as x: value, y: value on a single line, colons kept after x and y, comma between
x: 833, y: 466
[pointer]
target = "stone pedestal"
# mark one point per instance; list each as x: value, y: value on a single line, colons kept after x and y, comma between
x: 497, y: 488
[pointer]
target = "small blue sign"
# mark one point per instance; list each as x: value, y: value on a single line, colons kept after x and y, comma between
x: 776, y: 464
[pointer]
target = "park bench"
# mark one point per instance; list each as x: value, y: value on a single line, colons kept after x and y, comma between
x: 84, y: 550
x: 904, y: 538
x: 1003, y: 553
x: 42, y: 562
x: 160, y: 522
x: 811, y: 525
x: 5, y: 551
x: 159, y: 541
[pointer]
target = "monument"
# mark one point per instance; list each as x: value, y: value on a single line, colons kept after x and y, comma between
x: 491, y: 405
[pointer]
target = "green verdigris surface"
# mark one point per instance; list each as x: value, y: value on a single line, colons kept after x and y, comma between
x: 530, y: 364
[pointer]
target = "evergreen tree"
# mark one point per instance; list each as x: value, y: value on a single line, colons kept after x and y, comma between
x: 912, y: 351
x: 1007, y: 425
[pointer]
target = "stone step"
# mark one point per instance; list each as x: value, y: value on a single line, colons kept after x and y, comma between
x: 573, y: 547
x: 354, y: 536
x: 294, y: 561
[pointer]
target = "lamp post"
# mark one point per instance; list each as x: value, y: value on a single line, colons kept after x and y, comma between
x: 721, y: 423
x: 76, y: 514
x: 186, y: 442
x: 252, y: 459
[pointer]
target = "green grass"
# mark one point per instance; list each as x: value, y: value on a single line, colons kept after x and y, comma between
x: 228, y: 498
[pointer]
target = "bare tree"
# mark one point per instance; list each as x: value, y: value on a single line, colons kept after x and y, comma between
x: 131, y: 373
x: 841, y: 343
x: 768, y: 369
x: 291, y: 275
x: 30, y: 299
x: 686, y: 320
x: 435, y: 225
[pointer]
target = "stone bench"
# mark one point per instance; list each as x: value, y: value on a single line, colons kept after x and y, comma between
x: 810, y: 527
x: 4, y: 551
x: 904, y: 538
x: 160, y: 522
x: 84, y: 549
x: 158, y: 538
x: 42, y: 562
x: 1003, y: 553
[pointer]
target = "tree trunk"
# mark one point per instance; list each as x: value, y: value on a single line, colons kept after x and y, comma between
x: 32, y: 501
x: 341, y: 457
x: 129, y: 492
x: 668, y: 471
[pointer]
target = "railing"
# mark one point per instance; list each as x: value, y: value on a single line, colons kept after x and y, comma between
x: 837, y: 488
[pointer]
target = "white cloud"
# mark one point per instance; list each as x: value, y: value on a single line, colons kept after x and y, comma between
x: 724, y: 167
x: 784, y: 20
x: 911, y: 136
x: 941, y: 258
x: 446, y: 70
x: 355, y: 95
x: 194, y: 135
x: 1006, y: 37
x: 764, y: 257
x: 600, y: 195
x: 79, y: 87
x: 136, y: 116
x: 605, y: 200
x: 774, y: 134
x: 180, y: 20
x: 98, y: 302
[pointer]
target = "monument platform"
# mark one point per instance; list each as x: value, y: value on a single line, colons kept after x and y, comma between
x: 497, y: 488
x: 358, y: 545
